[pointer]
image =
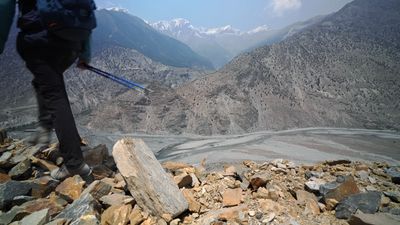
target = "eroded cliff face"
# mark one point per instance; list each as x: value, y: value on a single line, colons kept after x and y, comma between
x: 341, y: 72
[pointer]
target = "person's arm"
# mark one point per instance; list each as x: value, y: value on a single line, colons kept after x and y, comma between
x: 86, y: 54
x: 7, y: 12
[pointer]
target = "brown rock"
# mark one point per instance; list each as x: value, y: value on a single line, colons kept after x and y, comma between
x: 116, y: 199
x: 4, y: 178
x: 312, y: 207
x: 149, y: 221
x: 331, y: 204
x: 43, y: 186
x: 97, y: 189
x: 44, y: 164
x: 96, y: 156
x: 101, y: 171
x: 194, y: 206
x: 136, y: 216
x: 116, y: 215
x: 71, y: 188
x: 362, y: 167
x: 140, y: 168
x: 174, y: 166
x: 267, y: 205
x: 166, y: 218
x: 273, y: 194
x: 302, y: 196
x: 109, y: 181
x: 183, y: 180
x: 232, y: 197
x: 257, y: 182
x: 54, y: 203
x: 262, y: 193
x: 230, y: 171
x: 234, y: 214
x: 340, y: 190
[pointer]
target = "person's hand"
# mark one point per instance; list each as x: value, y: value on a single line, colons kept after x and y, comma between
x: 82, y: 64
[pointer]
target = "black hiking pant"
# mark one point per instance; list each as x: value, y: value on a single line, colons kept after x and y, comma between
x: 47, y: 62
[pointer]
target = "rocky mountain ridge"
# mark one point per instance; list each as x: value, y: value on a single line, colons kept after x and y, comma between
x: 341, y: 72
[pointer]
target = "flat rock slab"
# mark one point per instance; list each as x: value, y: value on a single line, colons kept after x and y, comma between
x: 147, y: 181
x: 10, y: 190
x: 37, y: 218
x: 21, y: 171
x: 365, y: 202
x: 84, y: 210
x: 374, y: 219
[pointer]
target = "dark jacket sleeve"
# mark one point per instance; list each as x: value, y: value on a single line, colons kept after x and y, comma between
x: 86, y: 53
x: 7, y: 12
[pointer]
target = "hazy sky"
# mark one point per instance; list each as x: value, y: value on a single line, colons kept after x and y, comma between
x: 242, y: 14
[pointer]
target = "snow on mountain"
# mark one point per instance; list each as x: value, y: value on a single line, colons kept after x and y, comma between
x: 179, y: 25
x: 223, y: 30
x: 118, y: 9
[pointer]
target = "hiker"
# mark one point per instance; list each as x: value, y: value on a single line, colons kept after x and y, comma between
x: 48, y: 55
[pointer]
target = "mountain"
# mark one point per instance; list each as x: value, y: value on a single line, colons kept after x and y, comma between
x: 341, y: 72
x: 118, y: 28
x: 278, y: 35
x: 222, y: 44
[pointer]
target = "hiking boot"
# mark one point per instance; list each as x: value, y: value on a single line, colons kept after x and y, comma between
x: 41, y: 136
x: 63, y: 172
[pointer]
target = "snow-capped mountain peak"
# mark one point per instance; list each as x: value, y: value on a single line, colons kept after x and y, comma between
x: 179, y: 26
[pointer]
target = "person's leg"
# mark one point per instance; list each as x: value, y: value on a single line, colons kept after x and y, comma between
x: 42, y: 135
x: 44, y: 115
x: 48, y: 77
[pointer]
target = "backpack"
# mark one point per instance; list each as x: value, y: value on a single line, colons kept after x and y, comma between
x: 72, y: 20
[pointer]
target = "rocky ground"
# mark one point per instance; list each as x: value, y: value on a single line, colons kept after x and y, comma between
x: 273, y: 192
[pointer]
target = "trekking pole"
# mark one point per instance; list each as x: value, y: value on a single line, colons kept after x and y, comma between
x: 120, y: 80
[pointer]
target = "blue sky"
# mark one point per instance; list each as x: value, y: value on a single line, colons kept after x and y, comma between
x: 242, y: 14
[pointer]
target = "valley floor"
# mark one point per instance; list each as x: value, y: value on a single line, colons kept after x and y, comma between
x: 310, y: 145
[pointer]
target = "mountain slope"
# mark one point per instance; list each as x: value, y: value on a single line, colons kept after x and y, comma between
x: 342, y: 72
x: 118, y: 28
x: 278, y: 35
